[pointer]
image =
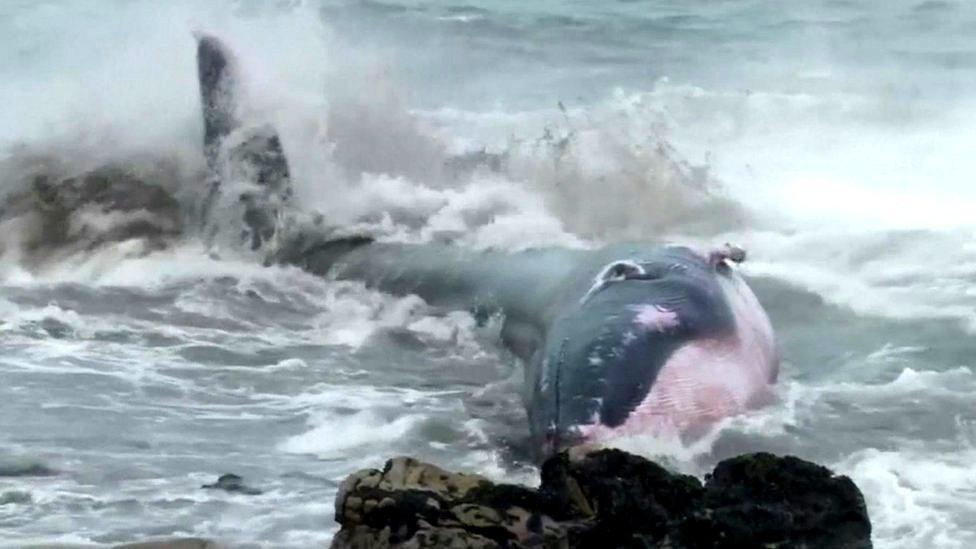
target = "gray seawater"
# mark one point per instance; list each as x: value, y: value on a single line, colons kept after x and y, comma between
x: 833, y: 140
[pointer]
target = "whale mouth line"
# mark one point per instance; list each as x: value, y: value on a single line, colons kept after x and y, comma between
x: 687, y: 397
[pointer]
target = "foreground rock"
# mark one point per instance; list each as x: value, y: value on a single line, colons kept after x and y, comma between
x: 605, y: 499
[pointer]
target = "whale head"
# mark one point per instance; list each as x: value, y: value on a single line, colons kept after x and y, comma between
x: 663, y: 341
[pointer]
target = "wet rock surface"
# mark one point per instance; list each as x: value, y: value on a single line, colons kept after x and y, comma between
x: 606, y: 498
x: 24, y: 467
x: 49, y: 210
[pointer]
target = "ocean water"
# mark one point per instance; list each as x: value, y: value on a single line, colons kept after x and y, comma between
x: 831, y: 139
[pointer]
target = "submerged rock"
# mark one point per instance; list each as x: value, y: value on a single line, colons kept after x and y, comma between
x: 174, y: 543
x: 230, y: 482
x: 15, y: 497
x: 188, y: 543
x: 24, y: 467
x: 606, y: 498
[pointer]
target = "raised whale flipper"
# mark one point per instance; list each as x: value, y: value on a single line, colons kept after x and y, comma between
x: 215, y: 72
x: 247, y: 154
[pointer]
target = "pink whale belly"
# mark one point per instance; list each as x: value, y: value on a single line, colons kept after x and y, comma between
x: 701, y: 383
x: 707, y: 380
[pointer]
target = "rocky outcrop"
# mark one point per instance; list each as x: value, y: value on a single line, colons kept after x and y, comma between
x: 605, y: 499
x: 51, y: 212
x: 414, y: 504
x: 229, y: 482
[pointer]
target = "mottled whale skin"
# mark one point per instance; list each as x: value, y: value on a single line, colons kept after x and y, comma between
x: 628, y: 339
x: 248, y: 155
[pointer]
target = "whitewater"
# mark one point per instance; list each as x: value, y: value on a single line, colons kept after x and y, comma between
x: 830, y: 139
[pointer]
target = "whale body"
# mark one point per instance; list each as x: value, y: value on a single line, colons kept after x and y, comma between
x: 628, y: 339
x: 633, y: 338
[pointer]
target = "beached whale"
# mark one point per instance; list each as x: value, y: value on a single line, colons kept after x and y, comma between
x: 627, y: 339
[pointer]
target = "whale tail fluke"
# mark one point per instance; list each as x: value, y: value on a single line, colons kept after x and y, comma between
x: 248, y: 157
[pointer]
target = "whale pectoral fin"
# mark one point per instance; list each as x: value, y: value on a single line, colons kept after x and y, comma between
x: 215, y: 72
x: 251, y: 156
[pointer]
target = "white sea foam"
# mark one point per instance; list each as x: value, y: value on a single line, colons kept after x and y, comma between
x: 900, y: 274
x: 340, y: 435
x: 916, y: 497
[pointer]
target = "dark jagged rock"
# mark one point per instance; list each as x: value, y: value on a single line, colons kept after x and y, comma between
x: 605, y: 499
x: 415, y: 504
x: 230, y: 482
x: 768, y: 498
x: 625, y: 497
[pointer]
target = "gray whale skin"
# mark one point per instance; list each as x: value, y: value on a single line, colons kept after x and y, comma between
x: 631, y: 339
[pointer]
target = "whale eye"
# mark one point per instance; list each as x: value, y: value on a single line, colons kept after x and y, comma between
x: 613, y: 272
x: 622, y: 270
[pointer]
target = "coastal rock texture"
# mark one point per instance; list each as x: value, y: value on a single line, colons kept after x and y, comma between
x: 604, y: 499
x: 47, y: 211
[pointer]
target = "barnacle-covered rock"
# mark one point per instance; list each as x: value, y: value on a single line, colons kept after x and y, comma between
x: 605, y: 499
